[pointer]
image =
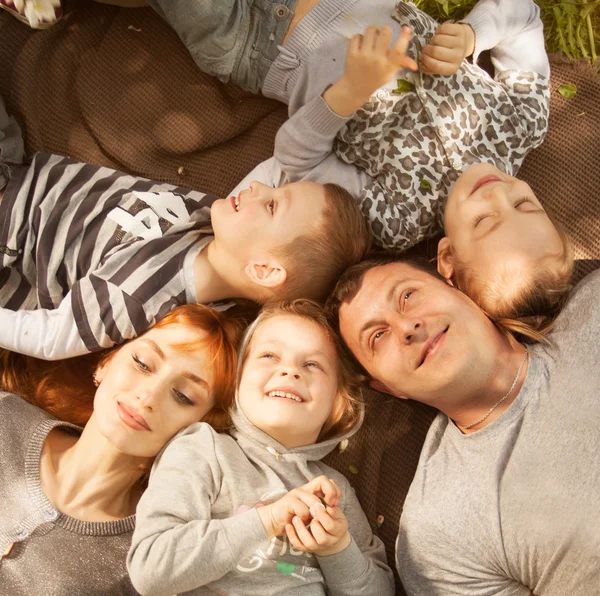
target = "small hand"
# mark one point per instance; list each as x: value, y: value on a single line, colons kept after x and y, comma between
x: 298, y: 503
x: 450, y: 45
x: 370, y: 63
x: 327, y: 534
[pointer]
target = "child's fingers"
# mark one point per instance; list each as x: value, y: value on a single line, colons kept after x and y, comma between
x: 450, y: 29
x: 440, y: 53
x: 398, y: 51
x: 326, y: 520
x: 382, y: 41
x: 320, y: 535
x: 326, y: 487
x: 304, y: 535
x: 355, y: 44
x: 452, y: 42
x: 369, y: 38
x: 432, y: 66
x: 293, y: 538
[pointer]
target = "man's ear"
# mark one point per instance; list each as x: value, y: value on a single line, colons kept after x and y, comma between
x: 379, y: 386
x: 445, y: 260
x: 268, y: 273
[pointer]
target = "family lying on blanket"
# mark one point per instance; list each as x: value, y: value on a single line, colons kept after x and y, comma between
x: 394, y: 133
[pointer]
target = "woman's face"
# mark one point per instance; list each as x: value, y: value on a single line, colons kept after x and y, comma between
x: 289, y: 381
x: 151, y: 388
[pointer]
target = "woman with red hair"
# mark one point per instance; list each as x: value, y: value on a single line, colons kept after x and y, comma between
x: 69, y: 494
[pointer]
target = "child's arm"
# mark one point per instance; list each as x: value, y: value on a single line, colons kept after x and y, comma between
x: 176, y: 546
x: 45, y: 334
x: 352, y: 559
x: 305, y: 141
x: 514, y: 33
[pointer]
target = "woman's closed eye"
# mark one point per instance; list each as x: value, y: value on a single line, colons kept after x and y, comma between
x: 183, y: 398
x: 140, y: 364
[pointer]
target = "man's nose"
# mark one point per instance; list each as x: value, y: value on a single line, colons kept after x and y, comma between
x: 410, y: 329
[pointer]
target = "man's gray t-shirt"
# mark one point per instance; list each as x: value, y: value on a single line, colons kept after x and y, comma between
x: 515, y: 507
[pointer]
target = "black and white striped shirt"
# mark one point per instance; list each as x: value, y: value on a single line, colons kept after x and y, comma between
x: 90, y: 256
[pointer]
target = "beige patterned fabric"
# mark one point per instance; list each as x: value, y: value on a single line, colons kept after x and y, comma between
x: 116, y: 87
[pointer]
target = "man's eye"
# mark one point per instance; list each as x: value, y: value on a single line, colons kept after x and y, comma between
x: 140, y: 364
x: 377, y: 336
x: 407, y: 295
x: 182, y: 398
x: 272, y: 206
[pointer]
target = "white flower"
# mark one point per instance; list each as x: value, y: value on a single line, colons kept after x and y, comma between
x: 38, y: 11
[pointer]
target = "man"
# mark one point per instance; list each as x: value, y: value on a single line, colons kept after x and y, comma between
x: 506, y: 497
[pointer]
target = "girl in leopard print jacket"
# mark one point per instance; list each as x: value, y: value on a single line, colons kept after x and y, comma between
x: 422, y: 137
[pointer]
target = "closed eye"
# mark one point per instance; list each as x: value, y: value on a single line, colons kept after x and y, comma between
x: 182, y: 398
x: 268, y: 355
x: 523, y: 201
x: 140, y: 364
x: 480, y: 218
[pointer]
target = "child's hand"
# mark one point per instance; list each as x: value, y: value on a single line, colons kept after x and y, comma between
x: 370, y: 63
x: 298, y: 503
x: 450, y: 45
x: 326, y: 535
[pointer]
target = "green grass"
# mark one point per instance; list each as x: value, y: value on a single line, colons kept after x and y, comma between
x: 570, y: 26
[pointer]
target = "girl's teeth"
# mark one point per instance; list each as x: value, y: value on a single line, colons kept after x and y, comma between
x: 283, y: 394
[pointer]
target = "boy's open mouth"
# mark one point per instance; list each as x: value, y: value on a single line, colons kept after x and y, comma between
x: 235, y: 203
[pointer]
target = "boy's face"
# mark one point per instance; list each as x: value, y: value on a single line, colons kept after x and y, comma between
x: 261, y: 218
x: 494, y: 221
x: 289, y: 380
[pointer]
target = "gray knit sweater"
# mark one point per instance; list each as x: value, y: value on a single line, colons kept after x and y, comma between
x: 52, y: 554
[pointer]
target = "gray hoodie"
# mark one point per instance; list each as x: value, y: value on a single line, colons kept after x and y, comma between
x: 198, y: 529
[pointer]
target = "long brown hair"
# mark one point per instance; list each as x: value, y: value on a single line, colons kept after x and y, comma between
x: 66, y: 388
x: 347, y: 409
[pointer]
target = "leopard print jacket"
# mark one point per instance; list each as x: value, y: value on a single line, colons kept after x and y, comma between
x: 415, y: 144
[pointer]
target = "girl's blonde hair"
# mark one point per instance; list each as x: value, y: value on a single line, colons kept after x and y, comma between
x: 66, y: 389
x: 347, y: 407
x: 529, y: 313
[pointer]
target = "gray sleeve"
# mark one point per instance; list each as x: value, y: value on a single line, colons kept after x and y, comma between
x: 42, y: 333
x: 304, y: 148
x: 176, y: 546
x: 513, y: 31
x: 362, y: 567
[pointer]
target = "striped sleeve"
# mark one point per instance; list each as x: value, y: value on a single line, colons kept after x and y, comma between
x: 134, y: 287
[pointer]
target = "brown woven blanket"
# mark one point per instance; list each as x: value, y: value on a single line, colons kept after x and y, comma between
x: 116, y: 87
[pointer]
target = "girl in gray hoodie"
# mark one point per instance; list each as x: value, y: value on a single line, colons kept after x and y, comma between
x: 255, y: 511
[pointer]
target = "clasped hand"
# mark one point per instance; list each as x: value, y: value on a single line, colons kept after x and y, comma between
x: 310, y: 517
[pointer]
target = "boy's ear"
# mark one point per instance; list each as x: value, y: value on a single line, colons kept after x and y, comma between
x: 379, y: 386
x: 268, y: 273
x: 445, y: 260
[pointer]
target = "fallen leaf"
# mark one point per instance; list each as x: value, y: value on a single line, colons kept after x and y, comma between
x: 380, y: 520
x: 403, y: 86
x: 425, y: 184
x: 568, y: 91
x: 343, y: 446
x: 353, y: 469
x: 181, y: 170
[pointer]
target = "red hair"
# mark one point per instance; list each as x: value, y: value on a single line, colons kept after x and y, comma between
x: 66, y: 389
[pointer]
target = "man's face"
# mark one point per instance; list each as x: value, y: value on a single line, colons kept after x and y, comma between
x: 416, y: 334
x: 261, y: 218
